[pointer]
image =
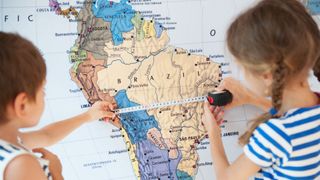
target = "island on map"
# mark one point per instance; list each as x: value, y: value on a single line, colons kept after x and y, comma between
x: 55, y: 6
x: 122, y: 57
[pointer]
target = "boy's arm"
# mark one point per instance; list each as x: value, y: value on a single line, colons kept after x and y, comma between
x: 55, y: 132
x: 52, y: 133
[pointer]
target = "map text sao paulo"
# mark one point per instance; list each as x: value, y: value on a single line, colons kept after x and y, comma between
x: 121, y: 57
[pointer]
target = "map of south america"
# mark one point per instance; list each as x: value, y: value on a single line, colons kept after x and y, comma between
x: 122, y: 57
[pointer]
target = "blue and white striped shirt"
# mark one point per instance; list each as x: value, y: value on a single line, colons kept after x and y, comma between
x: 288, y: 147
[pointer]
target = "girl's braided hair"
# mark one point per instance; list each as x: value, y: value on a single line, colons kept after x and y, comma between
x: 277, y: 36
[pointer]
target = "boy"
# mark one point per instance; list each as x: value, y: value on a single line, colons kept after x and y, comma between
x: 22, y: 81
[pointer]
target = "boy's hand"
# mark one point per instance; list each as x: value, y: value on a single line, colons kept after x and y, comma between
x: 55, y: 166
x: 101, y: 109
x: 212, y: 117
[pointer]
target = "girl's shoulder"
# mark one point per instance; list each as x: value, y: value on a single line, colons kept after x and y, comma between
x: 300, y: 113
x: 299, y: 118
x: 279, y: 137
x: 278, y: 140
x: 283, y: 134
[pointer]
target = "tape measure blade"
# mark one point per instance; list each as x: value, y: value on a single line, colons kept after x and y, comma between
x: 160, y: 105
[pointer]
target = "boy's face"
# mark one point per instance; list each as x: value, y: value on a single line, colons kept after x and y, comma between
x: 35, y: 109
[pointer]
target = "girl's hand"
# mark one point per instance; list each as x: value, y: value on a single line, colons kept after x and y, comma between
x: 242, y: 95
x: 101, y: 109
x: 212, y: 117
x: 55, y: 166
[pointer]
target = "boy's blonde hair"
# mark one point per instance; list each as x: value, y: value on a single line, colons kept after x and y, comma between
x: 278, y: 36
x: 22, y: 69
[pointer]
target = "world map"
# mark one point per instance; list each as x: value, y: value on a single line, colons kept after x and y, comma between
x: 134, y: 52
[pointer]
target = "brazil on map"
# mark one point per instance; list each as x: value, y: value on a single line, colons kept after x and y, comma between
x: 135, y: 52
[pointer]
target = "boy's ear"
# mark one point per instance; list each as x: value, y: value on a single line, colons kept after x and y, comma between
x: 20, y: 105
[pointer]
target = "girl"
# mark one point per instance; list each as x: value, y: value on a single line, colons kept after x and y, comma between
x: 276, y: 43
x: 22, y: 81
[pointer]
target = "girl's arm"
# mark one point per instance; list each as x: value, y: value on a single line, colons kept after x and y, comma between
x: 243, y: 167
x: 55, y: 132
x: 242, y: 95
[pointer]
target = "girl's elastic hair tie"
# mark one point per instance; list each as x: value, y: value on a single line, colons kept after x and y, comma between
x: 273, y: 111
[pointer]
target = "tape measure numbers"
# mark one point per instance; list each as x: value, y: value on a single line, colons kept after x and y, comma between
x: 214, y: 98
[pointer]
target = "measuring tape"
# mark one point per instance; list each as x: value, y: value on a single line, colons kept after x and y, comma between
x: 214, y: 98
x: 160, y: 105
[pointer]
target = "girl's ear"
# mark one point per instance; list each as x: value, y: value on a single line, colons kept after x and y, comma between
x: 267, y: 79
